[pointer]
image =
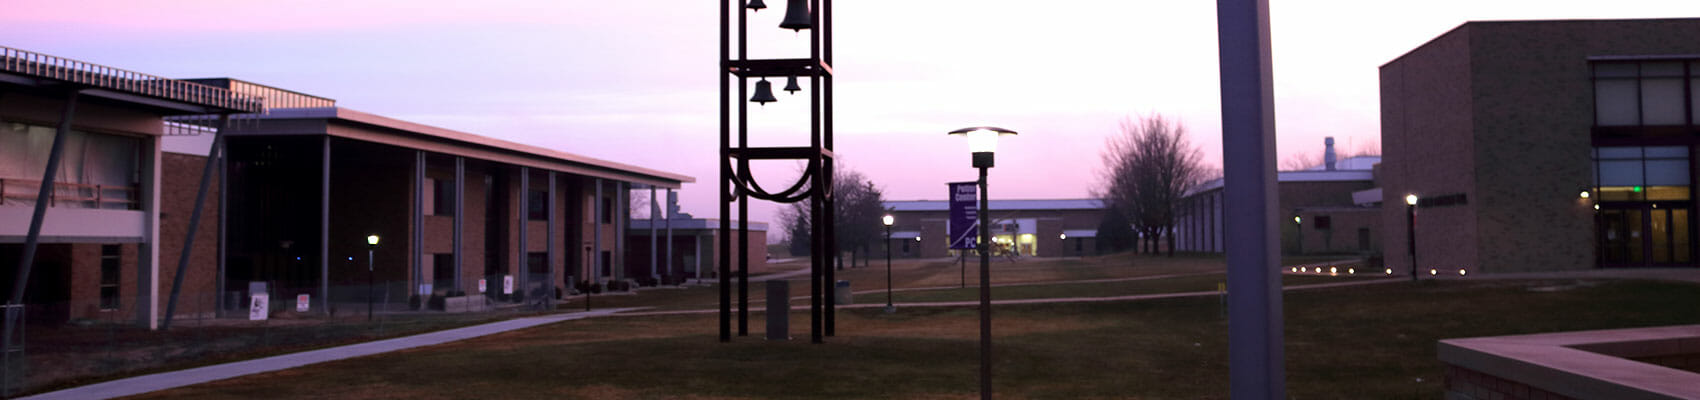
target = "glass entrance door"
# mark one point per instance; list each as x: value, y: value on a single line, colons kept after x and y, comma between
x: 1645, y: 235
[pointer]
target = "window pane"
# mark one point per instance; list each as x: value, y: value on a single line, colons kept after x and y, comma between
x: 1614, y: 103
x: 1618, y: 193
x: 1605, y: 153
x: 1620, y: 173
x: 1660, y: 235
x: 1694, y: 98
x: 1667, y: 152
x: 1667, y: 172
x: 1614, y: 69
x: 1661, y: 102
x: 1679, y: 230
x: 1661, y: 69
x: 1663, y: 193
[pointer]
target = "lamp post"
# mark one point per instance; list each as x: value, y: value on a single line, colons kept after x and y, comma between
x: 1411, y: 231
x: 371, y: 246
x: 1299, y: 234
x: 888, y: 220
x: 982, y: 142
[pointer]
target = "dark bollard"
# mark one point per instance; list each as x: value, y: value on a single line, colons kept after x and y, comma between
x: 778, y: 310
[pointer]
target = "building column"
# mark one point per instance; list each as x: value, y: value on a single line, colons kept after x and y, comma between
x: 596, y: 235
x: 653, y: 250
x: 324, y: 228
x: 549, y: 243
x: 147, y: 260
x: 418, y: 277
x: 460, y: 218
x: 524, y: 265
x: 223, y: 201
x: 667, y: 219
x: 622, y: 213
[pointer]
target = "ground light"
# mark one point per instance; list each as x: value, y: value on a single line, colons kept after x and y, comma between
x: 1390, y: 271
x: 983, y: 142
x: 1432, y: 271
x: 1351, y: 271
x: 1461, y: 272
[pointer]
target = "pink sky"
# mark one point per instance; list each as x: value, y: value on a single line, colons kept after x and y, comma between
x: 634, y: 81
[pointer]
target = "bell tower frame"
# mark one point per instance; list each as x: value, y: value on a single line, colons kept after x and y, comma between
x: 738, y: 185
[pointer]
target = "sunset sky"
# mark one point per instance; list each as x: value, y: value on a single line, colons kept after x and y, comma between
x: 635, y: 82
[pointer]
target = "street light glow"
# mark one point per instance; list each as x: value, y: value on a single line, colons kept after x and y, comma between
x: 372, y: 240
x: 888, y: 219
x: 1411, y: 199
x: 1063, y: 236
x: 982, y: 139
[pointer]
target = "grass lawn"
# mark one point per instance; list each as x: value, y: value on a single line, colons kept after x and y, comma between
x: 1374, y: 341
x: 1195, y: 283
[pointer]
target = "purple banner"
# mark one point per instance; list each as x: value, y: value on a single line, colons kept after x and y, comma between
x: 964, y: 214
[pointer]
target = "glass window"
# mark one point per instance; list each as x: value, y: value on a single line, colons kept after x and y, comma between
x: 1646, y: 93
x: 536, y: 204
x: 1657, y: 173
x: 111, y: 268
x: 1615, y: 103
x: 442, y: 197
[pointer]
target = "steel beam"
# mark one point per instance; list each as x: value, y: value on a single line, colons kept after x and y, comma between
x: 195, y: 219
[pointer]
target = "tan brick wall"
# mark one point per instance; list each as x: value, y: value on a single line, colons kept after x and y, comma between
x: 1427, y: 147
x: 181, y: 174
x: 1464, y: 383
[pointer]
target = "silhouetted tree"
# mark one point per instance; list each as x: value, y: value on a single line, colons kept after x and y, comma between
x: 1149, y: 167
x: 1114, y: 232
x: 857, y: 218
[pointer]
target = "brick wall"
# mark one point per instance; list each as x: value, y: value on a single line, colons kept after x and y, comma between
x: 1426, y: 122
x: 1467, y: 384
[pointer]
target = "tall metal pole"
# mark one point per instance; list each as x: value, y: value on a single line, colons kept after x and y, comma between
x: 369, y: 284
x: 985, y: 291
x: 1256, y: 369
x: 725, y: 183
x: 1411, y: 237
x: 888, y: 307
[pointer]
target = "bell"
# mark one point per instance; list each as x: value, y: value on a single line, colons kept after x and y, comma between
x: 797, y: 16
x: 764, y: 93
x: 791, y: 85
x: 755, y: 5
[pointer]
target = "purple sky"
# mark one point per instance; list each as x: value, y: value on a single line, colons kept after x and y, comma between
x: 634, y: 82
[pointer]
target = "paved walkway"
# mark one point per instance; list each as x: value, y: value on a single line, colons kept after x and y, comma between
x: 167, y: 380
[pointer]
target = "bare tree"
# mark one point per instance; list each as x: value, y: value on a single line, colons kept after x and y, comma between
x: 856, y: 220
x: 1149, y: 167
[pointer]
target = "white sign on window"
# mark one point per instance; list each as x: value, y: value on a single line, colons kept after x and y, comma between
x: 507, y: 284
x: 258, y: 310
x: 302, y: 302
x: 481, y: 286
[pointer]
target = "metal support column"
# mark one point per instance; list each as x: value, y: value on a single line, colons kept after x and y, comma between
x: 418, y: 277
x: 195, y: 219
x: 667, y: 219
x: 27, y: 260
x: 721, y: 163
x: 223, y: 234
x: 549, y: 243
x: 653, y: 250
x: 460, y: 220
x: 622, y: 218
x: 523, y: 270
x: 596, y: 235
x: 1256, y: 369
x: 325, y: 228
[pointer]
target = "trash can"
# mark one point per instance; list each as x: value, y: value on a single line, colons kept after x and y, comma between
x: 841, y: 293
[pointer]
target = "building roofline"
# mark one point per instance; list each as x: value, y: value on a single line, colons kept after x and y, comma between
x: 457, y: 137
x: 1461, y: 26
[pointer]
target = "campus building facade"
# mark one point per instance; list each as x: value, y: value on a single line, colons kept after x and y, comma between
x: 1543, y: 145
x: 1333, y: 208
x: 1038, y: 228
x: 301, y: 185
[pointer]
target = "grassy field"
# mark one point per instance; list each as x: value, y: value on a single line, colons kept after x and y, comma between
x: 1371, y: 341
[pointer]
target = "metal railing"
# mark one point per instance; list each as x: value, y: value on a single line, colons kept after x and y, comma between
x: 39, y: 65
x: 72, y: 193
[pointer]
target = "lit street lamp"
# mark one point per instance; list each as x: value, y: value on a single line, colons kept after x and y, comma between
x: 1411, y: 231
x: 888, y: 220
x: 371, y: 245
x: 982, y: 142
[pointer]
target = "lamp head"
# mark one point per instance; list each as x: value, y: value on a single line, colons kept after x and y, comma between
x: 1063, y: 236
x: 888, y: 220
x: 372, y: 240
x: 1411, y: 199
x: 982, y: 140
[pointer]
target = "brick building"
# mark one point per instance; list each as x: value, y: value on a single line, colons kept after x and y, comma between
x: 694, y: 243
x: 116, y: 210
x: 1040, y: 228
x: 307, y: 182
x: 1332, y: 208
x: 1543, y: 145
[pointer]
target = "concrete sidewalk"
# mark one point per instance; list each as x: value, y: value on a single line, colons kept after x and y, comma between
x: 167, y: 380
